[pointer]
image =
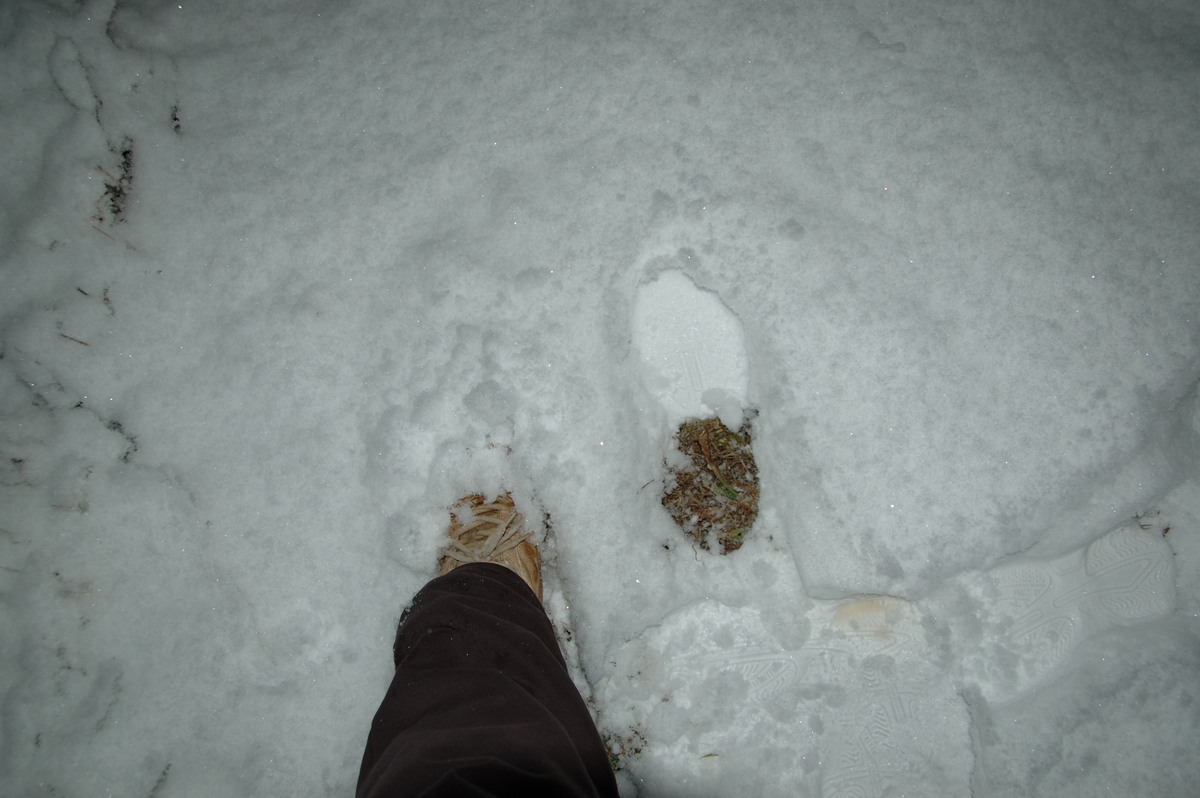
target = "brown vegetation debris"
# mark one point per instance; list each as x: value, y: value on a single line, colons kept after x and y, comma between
x: 715, y: 497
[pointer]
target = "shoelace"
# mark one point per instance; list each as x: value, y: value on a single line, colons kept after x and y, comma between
x: 506, y: 536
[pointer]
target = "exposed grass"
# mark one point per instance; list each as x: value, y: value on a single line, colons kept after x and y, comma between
x: 715, y: 498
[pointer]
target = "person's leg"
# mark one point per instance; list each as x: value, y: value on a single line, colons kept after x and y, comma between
x: 482, y: 702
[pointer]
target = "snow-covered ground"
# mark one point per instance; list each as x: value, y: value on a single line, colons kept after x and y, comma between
x: 280, y: 280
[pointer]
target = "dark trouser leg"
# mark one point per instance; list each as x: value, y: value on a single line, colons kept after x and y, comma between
x: 481, y: 703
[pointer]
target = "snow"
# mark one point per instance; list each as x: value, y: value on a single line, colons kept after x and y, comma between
x: 281, y: 281
x: 692, y: 350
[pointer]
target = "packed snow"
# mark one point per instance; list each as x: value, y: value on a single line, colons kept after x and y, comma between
x: 281, y: 280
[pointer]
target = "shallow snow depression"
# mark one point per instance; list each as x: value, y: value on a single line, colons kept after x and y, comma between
x: 282, y: 281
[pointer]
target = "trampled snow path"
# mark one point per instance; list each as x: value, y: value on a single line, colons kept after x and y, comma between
x: 1031, y: 614
x: 876, y: 702
x: 865, y: 703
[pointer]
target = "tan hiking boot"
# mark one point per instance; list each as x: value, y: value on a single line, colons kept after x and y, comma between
x: 492, y: 533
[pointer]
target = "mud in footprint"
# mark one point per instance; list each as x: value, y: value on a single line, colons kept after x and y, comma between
x: 693, y: 361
